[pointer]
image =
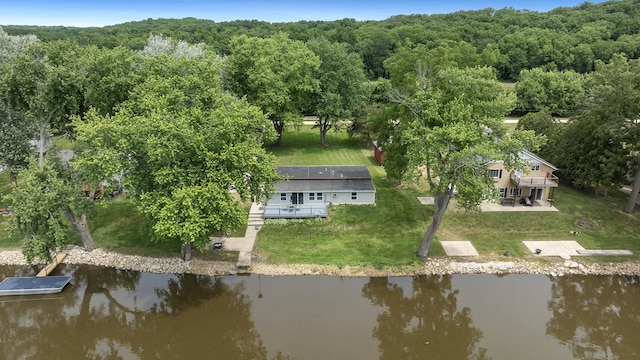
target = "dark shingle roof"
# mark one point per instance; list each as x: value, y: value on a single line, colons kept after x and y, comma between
x: 325, y: 178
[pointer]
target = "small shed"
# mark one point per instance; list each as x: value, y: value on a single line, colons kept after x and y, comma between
x: 378, y: 154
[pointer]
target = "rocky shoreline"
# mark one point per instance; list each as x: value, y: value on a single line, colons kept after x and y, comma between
x: 433, y: 266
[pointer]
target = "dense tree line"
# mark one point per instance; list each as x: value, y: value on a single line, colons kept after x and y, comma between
x: 565, y: 38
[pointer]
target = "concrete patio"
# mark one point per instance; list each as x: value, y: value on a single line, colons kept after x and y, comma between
x: 459, y: 248
x: 537, y: 206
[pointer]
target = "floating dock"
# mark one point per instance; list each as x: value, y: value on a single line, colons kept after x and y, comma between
x: 33, y: 285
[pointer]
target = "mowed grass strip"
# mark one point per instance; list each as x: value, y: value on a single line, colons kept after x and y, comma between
x: 599, y: 220
x: 390, y: 232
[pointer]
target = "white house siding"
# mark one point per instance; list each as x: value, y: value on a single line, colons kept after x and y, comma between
x: 362, y: 198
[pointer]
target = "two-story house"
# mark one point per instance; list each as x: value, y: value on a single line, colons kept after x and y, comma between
x: 536, y: 184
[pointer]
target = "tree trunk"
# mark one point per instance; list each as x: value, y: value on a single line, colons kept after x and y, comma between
x: 441, y: 202
x: 323, y: 124
x: 185, y: 252
x: 13, y: 178
x: 82, y: 227
x: 279, y: 127
x: 633, y: 197
x: 41, y: 143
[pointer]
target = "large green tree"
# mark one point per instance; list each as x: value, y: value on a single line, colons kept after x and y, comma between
x: 613, y: 113
x: 15, y: 128
x: 276, y: 74
x: 559, y: 92
x: 106, y: 77
x: 454, y: 127
x: 543, y: 124
x: 190, y: 153
x: 45, y: 196
x: 343, y: 87
x: 44, y: 87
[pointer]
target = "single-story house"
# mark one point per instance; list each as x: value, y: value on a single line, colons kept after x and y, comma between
x: 308, y: 190
x: 537, y: 183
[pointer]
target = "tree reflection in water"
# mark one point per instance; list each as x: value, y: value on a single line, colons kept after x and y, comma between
x: 205, y: 313
x: 598, y: 317
x: 106, y: 315
x: 422, y: 322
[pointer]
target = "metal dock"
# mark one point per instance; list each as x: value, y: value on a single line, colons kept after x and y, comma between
x: 33, y: 285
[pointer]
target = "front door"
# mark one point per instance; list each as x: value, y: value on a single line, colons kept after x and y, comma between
x: 297, y: 198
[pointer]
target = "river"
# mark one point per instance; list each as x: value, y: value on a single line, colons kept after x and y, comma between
x: 111, y: 314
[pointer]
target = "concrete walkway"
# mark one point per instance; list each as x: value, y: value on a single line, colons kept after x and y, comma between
x: 563, y: 249
x: 567, y: 249
x: 244, y: 245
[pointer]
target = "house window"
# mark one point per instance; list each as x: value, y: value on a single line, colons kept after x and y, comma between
x: 535, y: 168
x: 312, y: 196
x: 503, y: 192
x: 515, y: 191
x: 283, y: 196
x: 354, y: 196
x: 495, y: 173
x: 318, y: 196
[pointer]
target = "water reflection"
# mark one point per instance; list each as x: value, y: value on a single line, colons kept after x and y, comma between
x: 422, y: 320
x: 201, y: 312
x: 597, y: 317
x: 110, y: 314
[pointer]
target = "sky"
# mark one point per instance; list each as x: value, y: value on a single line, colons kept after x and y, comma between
x: 86, y: 13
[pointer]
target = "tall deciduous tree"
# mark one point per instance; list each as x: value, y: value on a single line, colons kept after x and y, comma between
x: 12, y: 45
x: 44, y: 87
x: 39, y: 203
x: 15, y: 128
x: 454, y: 128
x: 15, y: 133
x: 343, y: 87
x: 276, y: 74
x: 183, y: 145
x: 107, y: 77
x: 543, y: 124
x: 615, y: 108
x: 559, y: 92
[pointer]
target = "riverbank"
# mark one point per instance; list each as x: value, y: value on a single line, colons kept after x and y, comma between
x: 433, y: 266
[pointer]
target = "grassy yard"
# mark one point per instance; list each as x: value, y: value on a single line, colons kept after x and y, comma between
x: 390, y: 233
x: 116, y: 225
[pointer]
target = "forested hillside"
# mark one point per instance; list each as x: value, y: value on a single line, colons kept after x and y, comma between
x: 562, y: 39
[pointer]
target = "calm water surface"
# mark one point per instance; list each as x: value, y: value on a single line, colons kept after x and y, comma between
x: 110, y: 314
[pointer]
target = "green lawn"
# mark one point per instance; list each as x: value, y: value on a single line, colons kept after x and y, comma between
x: 495, y: 232
x: 62, y: 142
x: 115, y: 225
x: 388, y: 233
